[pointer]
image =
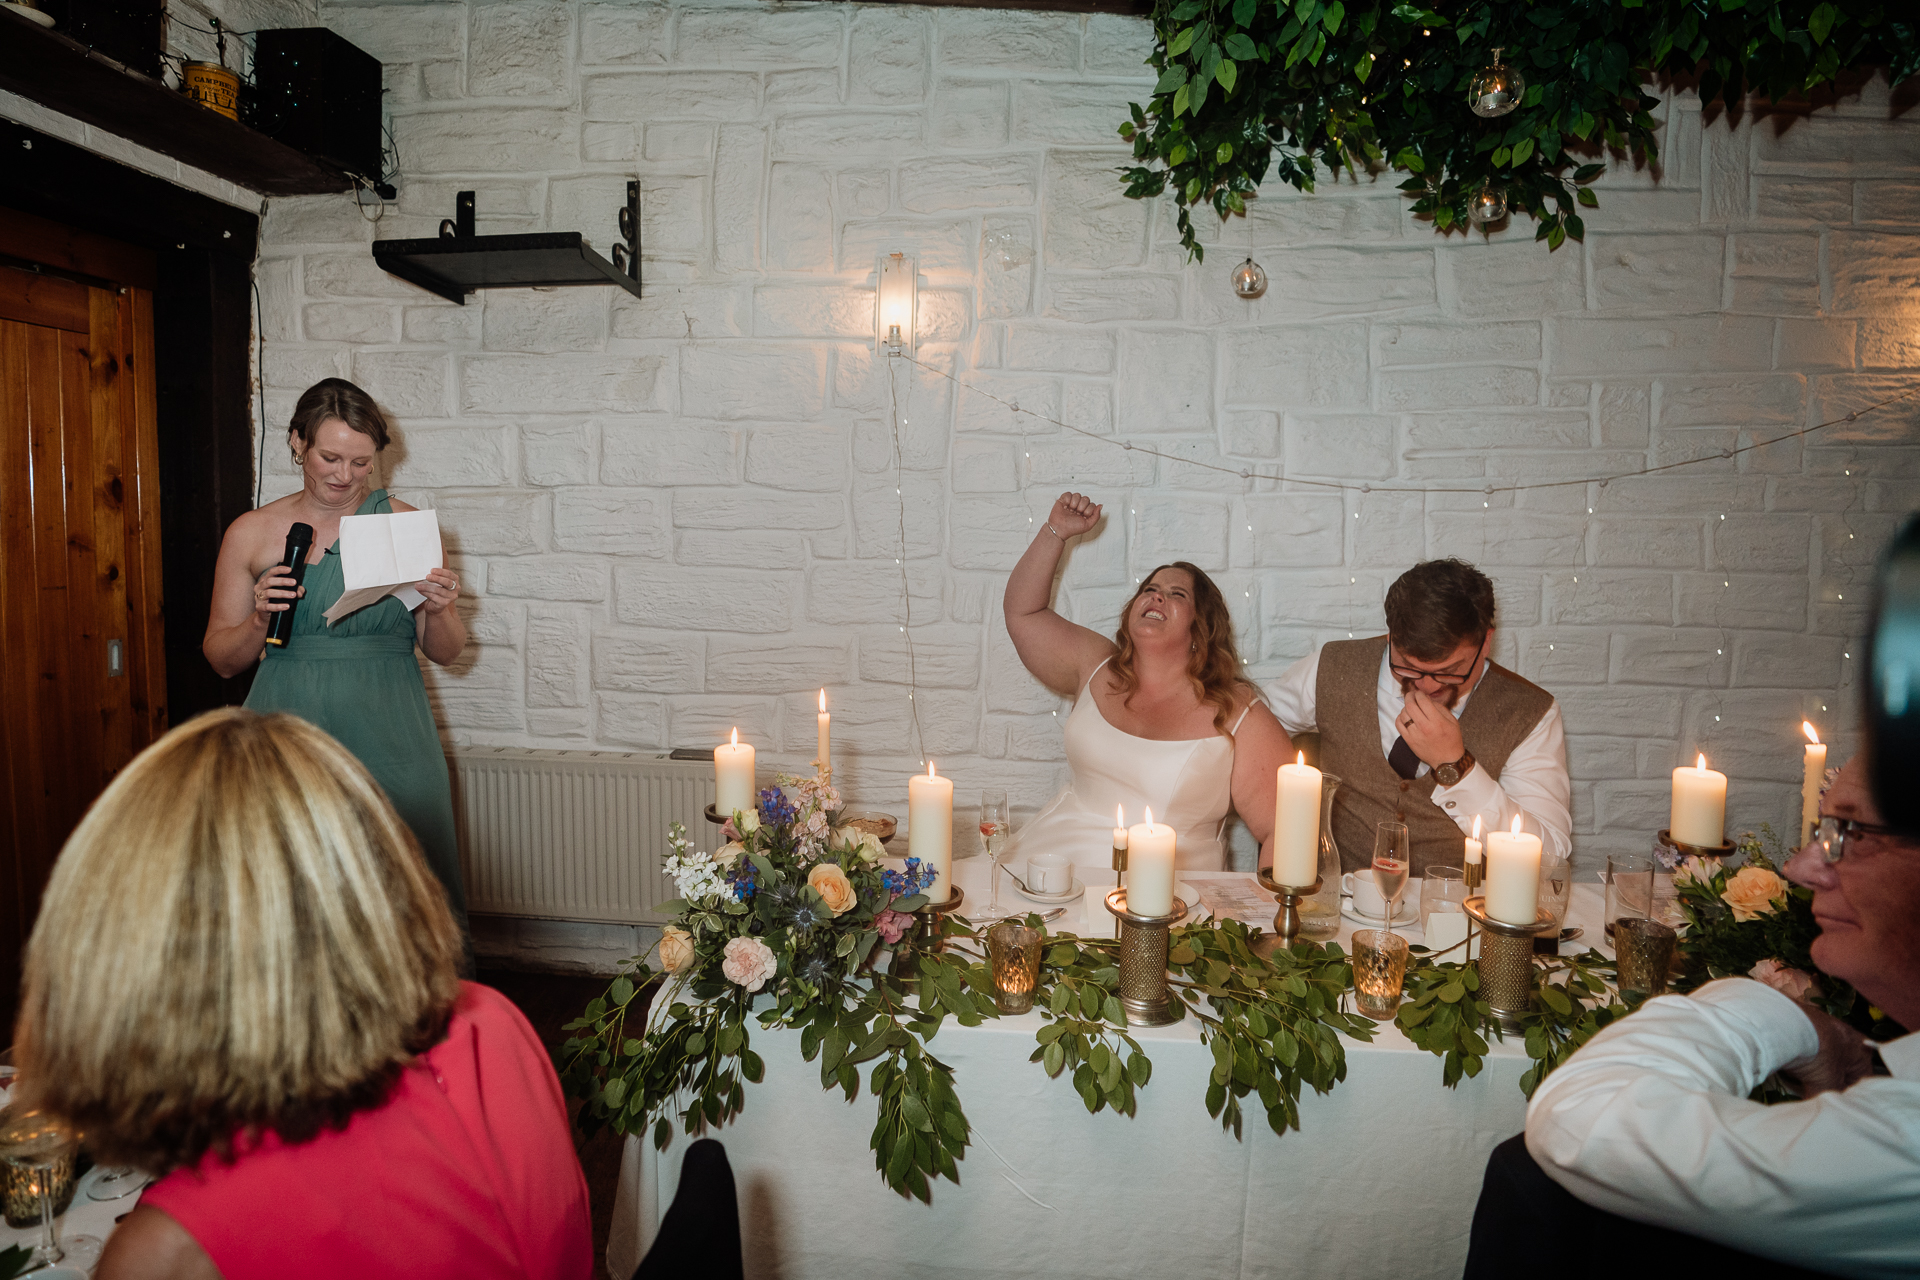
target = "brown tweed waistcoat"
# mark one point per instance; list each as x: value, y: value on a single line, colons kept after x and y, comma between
x: 1503, y: 710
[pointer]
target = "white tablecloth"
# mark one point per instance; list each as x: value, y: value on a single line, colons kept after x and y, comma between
x: 1380, y: 1180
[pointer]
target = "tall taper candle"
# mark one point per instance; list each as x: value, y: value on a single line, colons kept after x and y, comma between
x: 825, y: 723
x: 930, y: 829
x: 1816, y: 773
x: 1119, y: 827
x: 1699, y: 806
x: 1473, y: 869
x: 733, y: 776
x: 1296, y: 823
x: 1150, y: 850
x: 1513, y: 875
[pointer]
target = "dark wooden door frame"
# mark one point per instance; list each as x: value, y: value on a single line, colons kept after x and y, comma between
x: 203, y: 327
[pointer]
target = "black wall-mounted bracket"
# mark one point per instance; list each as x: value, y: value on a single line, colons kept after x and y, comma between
x: 458, y: 261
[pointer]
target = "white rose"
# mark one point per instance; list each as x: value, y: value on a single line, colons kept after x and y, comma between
x: 869, y: 847
x: 748, y: 822
x: 749, y: 962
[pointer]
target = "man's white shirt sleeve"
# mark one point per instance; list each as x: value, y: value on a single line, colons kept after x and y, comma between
x: 1651, y: 1120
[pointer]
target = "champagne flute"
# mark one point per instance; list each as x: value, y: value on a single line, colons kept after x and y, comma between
x: 1391, y: 862
x: 996, y: 823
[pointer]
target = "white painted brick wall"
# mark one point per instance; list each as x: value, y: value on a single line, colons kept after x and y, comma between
x: 678, y: 514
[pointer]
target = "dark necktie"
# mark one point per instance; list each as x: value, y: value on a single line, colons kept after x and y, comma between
x: 1404, y: 762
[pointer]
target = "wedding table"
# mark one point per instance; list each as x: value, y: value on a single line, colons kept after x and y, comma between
x: 1380, y: 1180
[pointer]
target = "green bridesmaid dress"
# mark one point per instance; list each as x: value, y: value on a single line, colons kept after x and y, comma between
x: 360, y: 682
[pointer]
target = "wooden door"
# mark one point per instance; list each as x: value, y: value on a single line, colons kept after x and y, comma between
x: 82, y: 675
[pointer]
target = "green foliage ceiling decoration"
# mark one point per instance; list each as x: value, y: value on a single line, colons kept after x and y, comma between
x: 1251, y: 85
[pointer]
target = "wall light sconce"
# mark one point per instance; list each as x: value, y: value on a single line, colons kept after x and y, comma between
x: 894, y: 304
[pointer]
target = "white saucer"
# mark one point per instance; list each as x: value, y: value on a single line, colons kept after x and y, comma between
x: 1072, y: 891
x: 1409, y: 913
x: 31, y: 15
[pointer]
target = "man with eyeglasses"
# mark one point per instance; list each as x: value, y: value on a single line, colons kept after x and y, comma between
x: 1422, y: 727
x: 1645, y: 1141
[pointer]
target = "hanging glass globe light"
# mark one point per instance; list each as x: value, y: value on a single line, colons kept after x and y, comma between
x: 1487, y: 205
x: 1249, y: 281
x: 1496, y: 90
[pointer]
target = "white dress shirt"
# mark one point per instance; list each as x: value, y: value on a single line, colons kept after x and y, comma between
x: 1650, y: 1120
x: 1533, y: 782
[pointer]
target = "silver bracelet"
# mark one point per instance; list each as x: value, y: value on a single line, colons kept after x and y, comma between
x: 1055, y: 532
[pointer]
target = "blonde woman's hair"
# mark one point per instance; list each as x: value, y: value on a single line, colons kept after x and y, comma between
x: 240, y: 937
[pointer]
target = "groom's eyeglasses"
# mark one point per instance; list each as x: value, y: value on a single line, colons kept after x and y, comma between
x: 1449, y: 679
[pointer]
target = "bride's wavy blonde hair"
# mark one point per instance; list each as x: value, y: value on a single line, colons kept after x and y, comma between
x: 1214, y: 663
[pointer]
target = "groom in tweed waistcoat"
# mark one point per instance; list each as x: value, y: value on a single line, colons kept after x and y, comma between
x: 1421, y: 726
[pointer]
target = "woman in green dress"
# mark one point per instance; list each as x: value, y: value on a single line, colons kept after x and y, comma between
x: 359, y: 679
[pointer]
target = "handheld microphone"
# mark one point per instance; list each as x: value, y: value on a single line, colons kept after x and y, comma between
x: 299, y: 545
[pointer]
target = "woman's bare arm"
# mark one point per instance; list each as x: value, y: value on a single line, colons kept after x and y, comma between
x: 149, y: 1245
x: 1260, y: 747
x: 438, y: 627
x: 237, y: 622
x: 1060, y: 654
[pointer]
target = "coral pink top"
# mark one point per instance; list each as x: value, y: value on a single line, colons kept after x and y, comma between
x: 467, y: 1170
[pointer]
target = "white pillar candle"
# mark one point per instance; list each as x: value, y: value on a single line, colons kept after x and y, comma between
x: 825, y: 723
x: 1473, y: 843
x: 1296, y: 823
x: 1815, y: 773
x: 1699, y: 805
x: 1150, y: 868
x: 1119, y: 827
x: 733, y: 776
x: 930, y: 829
x: 1513, y: 875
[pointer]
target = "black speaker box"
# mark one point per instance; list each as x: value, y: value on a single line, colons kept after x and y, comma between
x: 314, y: 91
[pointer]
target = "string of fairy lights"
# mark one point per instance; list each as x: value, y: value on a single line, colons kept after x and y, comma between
x: 1487, y: 491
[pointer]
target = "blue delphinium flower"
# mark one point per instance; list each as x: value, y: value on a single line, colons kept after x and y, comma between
x: 740, y: 880
x: 917, y: 878
x: 775, y: 809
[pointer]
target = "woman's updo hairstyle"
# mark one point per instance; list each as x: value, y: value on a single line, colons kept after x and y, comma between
x: 338, y: 398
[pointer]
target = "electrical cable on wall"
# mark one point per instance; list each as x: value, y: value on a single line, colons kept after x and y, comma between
x: 906, y: 591
x: 260, y: 381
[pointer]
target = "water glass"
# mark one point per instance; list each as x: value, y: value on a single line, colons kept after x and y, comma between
x: 1643, y: 950
x: 1379, y: 971
x: 1013, y: 951
x: 1629, y: 888
x: 1441, y: 889
x: 1556, y: 888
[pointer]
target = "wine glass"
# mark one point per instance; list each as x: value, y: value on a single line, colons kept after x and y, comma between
x: 1391, y: 862
x: 996, y: 824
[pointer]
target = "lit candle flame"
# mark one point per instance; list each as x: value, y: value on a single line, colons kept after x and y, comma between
x: 1515, y: 828
x: 1149, y: 817
x: 823, y: 699
x: 1300, y: 757
x: 736, y: 737
x: 1119, y: 816
x: 929, y: 768
x: 1701, y: 763
x: 1807, y: 729
x: 1476, y: 826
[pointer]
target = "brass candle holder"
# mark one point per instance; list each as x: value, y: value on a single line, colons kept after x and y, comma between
x: 1143, y: 963
x: 1286, y: 921
x: 1694, y: 850
x: 1506, y: 962
x: 929, y: 934
x: 1120, y: 865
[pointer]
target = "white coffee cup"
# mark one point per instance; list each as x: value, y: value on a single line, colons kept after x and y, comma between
x: 1049, y: 873
x: 1365, y: 893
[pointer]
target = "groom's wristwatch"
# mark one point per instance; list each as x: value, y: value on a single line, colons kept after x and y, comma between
x: 1448, y: 775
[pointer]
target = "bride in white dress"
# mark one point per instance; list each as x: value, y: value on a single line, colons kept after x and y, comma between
x: 1162, y: 717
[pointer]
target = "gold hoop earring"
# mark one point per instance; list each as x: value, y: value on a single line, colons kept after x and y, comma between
x: 299, y: 460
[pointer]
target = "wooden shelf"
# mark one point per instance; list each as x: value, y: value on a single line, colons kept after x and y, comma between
x: 66, y: 76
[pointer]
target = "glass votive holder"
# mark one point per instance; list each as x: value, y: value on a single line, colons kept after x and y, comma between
x: 1013, y: 952
x: 33, y: 1148
x: 1629, y: 889
x: 1441, y: 889
x: 1643, y: 952
x: 1379, y: 972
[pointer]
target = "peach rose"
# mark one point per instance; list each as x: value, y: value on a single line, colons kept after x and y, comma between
x: 729, y: 853
x: 1785, y: 979
x: 749, y: 963
x: 831, y: 883
x: 676, y: 950
x: 1753, y: 892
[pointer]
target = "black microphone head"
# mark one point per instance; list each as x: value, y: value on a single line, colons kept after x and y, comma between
x: 300, y: 535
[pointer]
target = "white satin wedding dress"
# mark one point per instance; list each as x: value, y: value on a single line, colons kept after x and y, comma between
x: 1187, y: 783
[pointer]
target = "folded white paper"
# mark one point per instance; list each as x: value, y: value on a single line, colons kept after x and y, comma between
x: 384, y: 555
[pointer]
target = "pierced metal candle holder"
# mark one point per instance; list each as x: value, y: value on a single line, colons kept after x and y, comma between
x: 1286, y: 921
x: 1143, y: 963
x: 929, y: 934
x: 1694, y: 850
x: 1506, y: 962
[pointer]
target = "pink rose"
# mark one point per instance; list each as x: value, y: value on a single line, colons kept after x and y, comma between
x: 1753, y: 892
x: 893, y: 925
x: 749, y: 963
x: 1785, y: 979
